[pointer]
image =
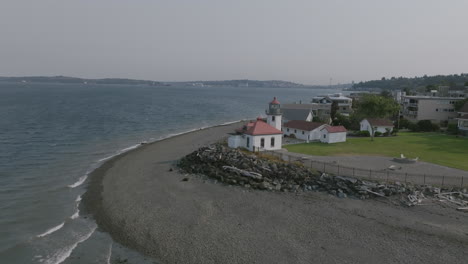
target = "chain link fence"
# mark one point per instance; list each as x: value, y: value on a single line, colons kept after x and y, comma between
x: 386, y: 175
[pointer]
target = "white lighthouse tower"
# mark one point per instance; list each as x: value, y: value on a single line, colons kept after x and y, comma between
x: 274, y: 114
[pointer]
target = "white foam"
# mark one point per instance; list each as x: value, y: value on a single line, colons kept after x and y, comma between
x: 80, y: 181
x: 50, y: 231
x: 78, y: 199
x: 61, y: 255
x: 109, y: 255
x: 76, y: 214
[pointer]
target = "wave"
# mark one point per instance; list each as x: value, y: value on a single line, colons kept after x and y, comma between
x: 61, y: 255
x: 76, y: 214
x: 121, y: 151
x: 52, y: 230
x: 80, y: 181
x: 109, y: 255
x: 78, y: 199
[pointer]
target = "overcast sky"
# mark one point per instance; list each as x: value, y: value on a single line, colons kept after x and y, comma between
x: 305, y: 41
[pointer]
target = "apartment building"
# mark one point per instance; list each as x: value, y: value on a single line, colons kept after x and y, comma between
x: 437, y: 109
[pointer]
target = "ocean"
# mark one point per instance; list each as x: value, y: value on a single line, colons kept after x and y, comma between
x: 53, y: 135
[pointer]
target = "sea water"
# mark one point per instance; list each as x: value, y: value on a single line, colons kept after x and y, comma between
x: 53, y: 135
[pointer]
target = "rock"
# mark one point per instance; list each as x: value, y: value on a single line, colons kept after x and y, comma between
x: 278, y: 187
x: 342, y: 195
x: 185, y: 179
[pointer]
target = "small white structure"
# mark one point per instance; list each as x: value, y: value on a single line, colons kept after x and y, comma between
x: 333, y: 134
x: 380, y: 125
x: 308, y: 131
x: 258, y: 135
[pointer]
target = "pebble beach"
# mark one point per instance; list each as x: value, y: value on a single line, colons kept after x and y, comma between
x: 144, y: 203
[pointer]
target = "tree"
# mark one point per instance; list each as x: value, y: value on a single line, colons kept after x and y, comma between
x: 375, y: 106
x: 459, y: 104
x: 334, y: 110
x: 386, y: 93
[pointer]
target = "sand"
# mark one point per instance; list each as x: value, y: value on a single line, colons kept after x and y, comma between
x: 145, y: 206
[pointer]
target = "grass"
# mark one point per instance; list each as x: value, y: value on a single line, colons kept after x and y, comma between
x: 435, y: 148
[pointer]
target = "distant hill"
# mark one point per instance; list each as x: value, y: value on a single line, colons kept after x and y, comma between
x: 230, y: 83
x: 242, y: 83
x: 401, y: 83
x: 65, y: 79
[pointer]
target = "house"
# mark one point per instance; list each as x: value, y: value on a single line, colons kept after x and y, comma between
x: 320, y: 111
x: 463, y: 120
x: 437, y: 109
x: 260, y: 135
x: 304, y: 130
x: 333, y: 134
x: 378, y: 124
x: 297, y: 114
x: 344, y: 103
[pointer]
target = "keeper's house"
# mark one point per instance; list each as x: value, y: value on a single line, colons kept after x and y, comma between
x: 300, y: 129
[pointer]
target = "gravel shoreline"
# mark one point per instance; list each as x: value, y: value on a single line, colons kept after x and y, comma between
x: 143, y: 205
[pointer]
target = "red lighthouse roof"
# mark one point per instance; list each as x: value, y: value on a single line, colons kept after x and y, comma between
x: 275, y: 101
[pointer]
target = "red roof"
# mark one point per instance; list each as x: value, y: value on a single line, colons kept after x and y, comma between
x: 275, y: 101
x: 303, y: 125
x: 335, y: 129
x: 259, y: 128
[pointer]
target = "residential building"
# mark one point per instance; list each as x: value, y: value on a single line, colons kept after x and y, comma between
x: 308, y: 131
x: 376, y: 124
x: 437, y: 109
x: 297, y: 114
x: 344, y: 103
x: 320, y: 111
x: 463, y: 120
x: 333, y: 134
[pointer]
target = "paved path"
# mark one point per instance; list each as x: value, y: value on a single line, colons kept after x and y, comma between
x: 433, y: 172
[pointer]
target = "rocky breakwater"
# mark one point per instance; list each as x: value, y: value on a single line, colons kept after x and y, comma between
x: 259, y: 171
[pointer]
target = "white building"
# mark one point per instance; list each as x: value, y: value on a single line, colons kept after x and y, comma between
x: 304, y: 130
x: 378, y: 124
x: 258, y: 135
x: 333, y: 134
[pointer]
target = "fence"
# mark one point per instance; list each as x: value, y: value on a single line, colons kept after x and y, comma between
x: 386, y: 175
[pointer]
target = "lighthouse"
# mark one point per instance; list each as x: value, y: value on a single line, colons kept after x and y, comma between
x: 274, y: 114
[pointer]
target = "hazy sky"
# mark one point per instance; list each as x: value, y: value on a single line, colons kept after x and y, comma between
x: 304, y: 41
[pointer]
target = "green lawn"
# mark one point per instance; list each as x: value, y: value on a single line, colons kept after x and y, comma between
x: 430, y: 147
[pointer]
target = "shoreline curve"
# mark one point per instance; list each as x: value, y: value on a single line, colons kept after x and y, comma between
x: 143, y: 205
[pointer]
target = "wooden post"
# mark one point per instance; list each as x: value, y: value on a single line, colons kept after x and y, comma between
x: 311, y: 164
x: 443, y: 180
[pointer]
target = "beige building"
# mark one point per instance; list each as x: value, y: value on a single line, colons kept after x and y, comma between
x: 436, y: 109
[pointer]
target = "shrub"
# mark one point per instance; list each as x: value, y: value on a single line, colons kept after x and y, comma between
x: 405, y: 123
x: 452, y: 129
x: 423, y: 126
x: 364, y: 133
x: 394, y: 132
x: 377, y: 134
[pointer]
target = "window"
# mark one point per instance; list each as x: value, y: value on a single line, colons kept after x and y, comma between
x: 295, y: 131
x: 324, y: 135
x: 288, y: 129
x: 272, y: 141
x: 273, y: 118
x: 248, y: 142
x: 437, y: 109
x: 262, y: 142
x: 302, y: 132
